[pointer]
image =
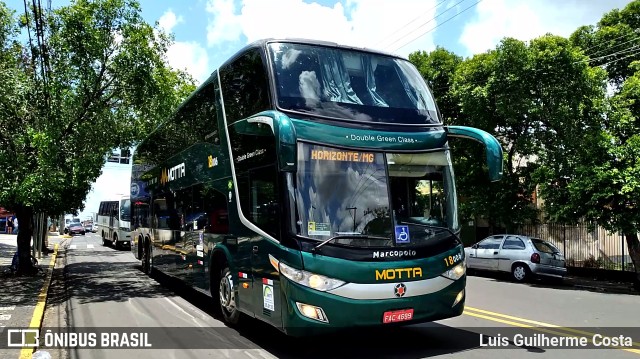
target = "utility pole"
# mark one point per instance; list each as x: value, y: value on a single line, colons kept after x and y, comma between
x: 354, y: 216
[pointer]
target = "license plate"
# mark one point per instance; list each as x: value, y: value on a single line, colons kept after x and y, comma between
x: 397, y: 316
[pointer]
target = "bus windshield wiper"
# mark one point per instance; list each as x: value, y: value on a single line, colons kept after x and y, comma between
x: 427, y: 226
x: 345, y: 236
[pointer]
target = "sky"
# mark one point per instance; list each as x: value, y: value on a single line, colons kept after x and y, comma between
x: 207, y: 32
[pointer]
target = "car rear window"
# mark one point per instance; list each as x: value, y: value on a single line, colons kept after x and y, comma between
x: 544, y: 246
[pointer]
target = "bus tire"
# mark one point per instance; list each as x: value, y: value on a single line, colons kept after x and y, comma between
x: 227, y: 297
x: 147, y: 261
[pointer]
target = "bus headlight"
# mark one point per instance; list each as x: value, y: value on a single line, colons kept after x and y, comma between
x: 308, y: 279
x: 456, y: 272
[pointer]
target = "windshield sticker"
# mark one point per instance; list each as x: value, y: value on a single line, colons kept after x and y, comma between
x: 267, y: 294
x: 402, y: 234
x: 349, y: 156
x: 319, y: 229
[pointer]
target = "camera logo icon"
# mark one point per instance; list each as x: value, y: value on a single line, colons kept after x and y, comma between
x: 23, y: 338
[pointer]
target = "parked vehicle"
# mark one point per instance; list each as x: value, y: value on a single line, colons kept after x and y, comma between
x: 71, y: 222
x: 76, y: 228
x: 522, y: 256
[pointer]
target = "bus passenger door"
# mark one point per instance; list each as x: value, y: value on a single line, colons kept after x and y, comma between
x: 264, y: 213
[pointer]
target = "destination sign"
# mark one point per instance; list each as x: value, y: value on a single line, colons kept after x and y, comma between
x: 349, y: 156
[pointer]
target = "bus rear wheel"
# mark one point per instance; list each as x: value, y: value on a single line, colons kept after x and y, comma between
x: 227, y: 297
x: 147, y: 265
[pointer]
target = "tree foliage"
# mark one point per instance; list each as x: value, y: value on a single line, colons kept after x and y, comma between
x: 98, y: 80
x: 566, y: 113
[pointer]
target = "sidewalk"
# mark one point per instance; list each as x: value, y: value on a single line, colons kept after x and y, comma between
x: 21, y: 298
x: 602, y: 286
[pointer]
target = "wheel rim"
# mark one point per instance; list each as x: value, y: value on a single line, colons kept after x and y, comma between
x: 227, y: 297
x: 519, y: 273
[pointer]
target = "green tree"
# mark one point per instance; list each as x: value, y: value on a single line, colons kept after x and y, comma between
x: 96, y: 79
x: 603, y: 183
x: 614, y: 43
x: 438, y: 68
x: 535, y: 98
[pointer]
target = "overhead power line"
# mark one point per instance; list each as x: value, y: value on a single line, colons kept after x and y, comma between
x: 411, y: 22
x: 602, y: 43
x: 435, y: 27
x: 423, y: 25
x: 613, y: 47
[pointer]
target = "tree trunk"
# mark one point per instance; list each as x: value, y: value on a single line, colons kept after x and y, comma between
x: 25, y: 231
x: 634, y: 252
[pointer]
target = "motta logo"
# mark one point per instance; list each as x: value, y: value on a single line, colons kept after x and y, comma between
x: 172, y: 173
x: 399, y: 273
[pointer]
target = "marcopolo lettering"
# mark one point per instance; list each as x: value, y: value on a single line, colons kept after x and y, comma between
x: 390, y: 254
x: 399, y: 273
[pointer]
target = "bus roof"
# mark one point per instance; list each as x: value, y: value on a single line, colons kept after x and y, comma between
x: 262, y: 42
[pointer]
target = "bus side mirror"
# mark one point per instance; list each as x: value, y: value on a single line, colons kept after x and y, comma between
x: 492, y: 146
x: 285, y: 136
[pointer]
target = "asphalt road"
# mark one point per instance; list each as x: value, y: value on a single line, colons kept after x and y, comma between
x: 103, y: 287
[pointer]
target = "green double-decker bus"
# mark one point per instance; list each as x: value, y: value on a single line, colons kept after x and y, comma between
x: 309, y: 185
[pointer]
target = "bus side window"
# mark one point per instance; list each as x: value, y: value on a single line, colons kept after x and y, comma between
x: 258, y: 198
x: 209, y: 209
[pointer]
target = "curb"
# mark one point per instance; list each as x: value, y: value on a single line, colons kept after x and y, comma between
x: 38, y: 312
x: 628, y: 291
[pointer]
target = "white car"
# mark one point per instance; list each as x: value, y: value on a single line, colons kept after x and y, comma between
x: 522, y: 256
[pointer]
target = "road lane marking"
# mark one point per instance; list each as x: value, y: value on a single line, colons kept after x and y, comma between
x: 73, y: 246
x: 5, y: 316
x: 12, y: 307
x: 560, y: 330
x: 89, y: 246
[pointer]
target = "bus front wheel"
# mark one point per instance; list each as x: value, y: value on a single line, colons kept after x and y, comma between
x: 227, y: 297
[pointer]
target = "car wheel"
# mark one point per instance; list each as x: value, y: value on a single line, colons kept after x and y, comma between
x: 227, y: 297
x: 520, y: 272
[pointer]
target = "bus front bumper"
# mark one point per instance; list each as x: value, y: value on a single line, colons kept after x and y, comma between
x: 334, y: 312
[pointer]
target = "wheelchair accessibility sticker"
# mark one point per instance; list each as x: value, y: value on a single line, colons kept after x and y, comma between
x: 402, y: 234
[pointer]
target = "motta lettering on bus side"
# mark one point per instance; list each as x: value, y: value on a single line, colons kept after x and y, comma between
x: 381, y: 138
x: 390, y: 254
x: 173, y: 173
x: 399, y: 273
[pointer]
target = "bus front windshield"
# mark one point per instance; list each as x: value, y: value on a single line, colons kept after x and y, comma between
x: 125, y: 210
x: 374, y: 199
x: 349, y: 84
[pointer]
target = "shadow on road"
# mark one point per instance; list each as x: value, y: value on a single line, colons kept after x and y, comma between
x: 569, y: 283
x: 416, y: 341
x: 113, y: 280
x: 92, y: 282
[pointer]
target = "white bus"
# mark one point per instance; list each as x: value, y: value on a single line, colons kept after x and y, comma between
x: 113, y: 222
